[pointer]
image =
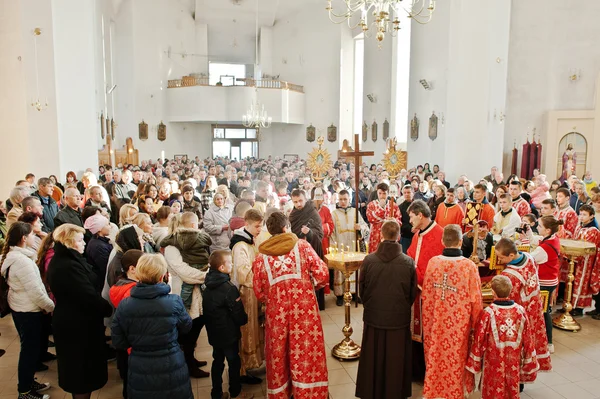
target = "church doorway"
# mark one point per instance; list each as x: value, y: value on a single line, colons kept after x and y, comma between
x: 234, y: 142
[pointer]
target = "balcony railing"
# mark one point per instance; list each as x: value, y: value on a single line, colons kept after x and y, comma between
x: 188, y: 81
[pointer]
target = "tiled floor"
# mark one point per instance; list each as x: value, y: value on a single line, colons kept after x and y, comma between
x: 576, y: 364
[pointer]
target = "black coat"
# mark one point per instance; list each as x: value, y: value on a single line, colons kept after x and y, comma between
x: 50, y: 211
x: 97, y: 253
x: 78, y: 322
x: 388, y: 287
x: 224, y: 312
x: 149, y: 322
x: 68, y: 215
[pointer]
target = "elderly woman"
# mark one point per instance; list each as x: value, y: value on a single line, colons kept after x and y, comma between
x: 17, y: 195
x: 78, y: 322
x: 126, y: 213
x: 439, y: 196
x: 216, y: 223
x: 462, y: 198
x: 224, y: 191
x: 143, y: 221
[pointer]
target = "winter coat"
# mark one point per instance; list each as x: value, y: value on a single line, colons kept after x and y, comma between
x: 159, y: 233
x: 78, y: 322
x: 149, y: 322
x: 224, y: 312
x: 68, y: 215
x: 120, y: 291
x: 27, y: 292
x: 193, y: 206
x: 214, y: 220
x: 50, y: 211
x: 181, y: 273
x: 97, y: 253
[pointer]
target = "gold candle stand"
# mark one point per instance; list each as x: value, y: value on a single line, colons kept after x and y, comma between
x: 572, y: 249
x: 347, y: 263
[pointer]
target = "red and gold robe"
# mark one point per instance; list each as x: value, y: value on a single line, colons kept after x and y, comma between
x: 503, y: 349
x: 522, y: 207
x: 571, y: 220
x: 286, y: 273
x: 587, y: 273
x: 476, y: 211
x: 452, y: 303
x: 446, y: 215
x: 424, y: 245
x: 526, y: 292
x: 377, y: 216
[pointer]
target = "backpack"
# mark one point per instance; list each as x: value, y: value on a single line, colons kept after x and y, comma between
x: 4, y: 306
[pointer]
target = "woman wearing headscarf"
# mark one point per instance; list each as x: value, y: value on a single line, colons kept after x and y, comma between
x: 216, y: 223
x: 99, y: 248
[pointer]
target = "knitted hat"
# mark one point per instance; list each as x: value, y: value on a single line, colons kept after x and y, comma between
x: 95, y: 223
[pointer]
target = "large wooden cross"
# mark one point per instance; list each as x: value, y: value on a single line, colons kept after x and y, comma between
x: 357, y: 155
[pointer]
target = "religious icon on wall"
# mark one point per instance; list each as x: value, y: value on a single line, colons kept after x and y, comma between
x: 332, y: 133
x: 143, y: 128
x: 433, y: 125
x: 374, y: 131
x: 102, y: 131
x: 112, y: 128
x: 414, y: 128
x: 310, y: 133
x: 386, y: 129
x: 162, y: 131
x: 365, y: 130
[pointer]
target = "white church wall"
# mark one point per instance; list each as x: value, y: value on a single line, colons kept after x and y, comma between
x: 547, y: 41
x: 307, y: 54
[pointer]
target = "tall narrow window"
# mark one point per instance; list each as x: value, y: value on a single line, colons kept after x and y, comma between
x: 359, y: 67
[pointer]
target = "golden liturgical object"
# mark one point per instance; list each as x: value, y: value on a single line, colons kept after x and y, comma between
x: 347, y: 263
x: 571, y: 249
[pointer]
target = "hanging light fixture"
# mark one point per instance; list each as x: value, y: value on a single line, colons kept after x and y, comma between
x: 37, y: 103
x: 256, y: 116
x: 381, y: 10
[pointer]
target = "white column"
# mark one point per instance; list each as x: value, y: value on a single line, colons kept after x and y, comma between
x: 13, y: 101
x: 346, y: 76
x: 401, y: 84
x: 75, y: 83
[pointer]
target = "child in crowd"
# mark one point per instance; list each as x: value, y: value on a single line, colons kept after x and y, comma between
x: 503, y: 347
x: 149, y: 322
x: 193, y: 244
x: 118, y: 292
x: 224, y: 315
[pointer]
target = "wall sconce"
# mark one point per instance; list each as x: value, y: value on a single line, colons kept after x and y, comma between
x: 500, y: 117
x: 426, y: 85
x: 372, y: 97
x: 574, y: 74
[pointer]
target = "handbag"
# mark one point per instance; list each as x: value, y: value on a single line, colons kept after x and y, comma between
x: 4, y: 306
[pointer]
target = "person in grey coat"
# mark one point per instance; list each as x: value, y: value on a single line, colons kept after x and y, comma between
x: 216, y: 223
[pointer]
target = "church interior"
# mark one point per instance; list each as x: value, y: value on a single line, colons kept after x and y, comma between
x: 379, y: 91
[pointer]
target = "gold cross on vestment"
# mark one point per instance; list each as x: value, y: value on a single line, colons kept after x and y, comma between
x: 444, y: 286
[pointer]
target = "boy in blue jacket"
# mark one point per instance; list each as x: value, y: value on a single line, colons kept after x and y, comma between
x: 224, y: 315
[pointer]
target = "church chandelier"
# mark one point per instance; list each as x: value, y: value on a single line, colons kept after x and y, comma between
x: 256, y: 116
x: 356, y: 14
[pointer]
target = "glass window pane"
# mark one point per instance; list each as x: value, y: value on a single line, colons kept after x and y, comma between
x: 255, y: 149
x: 219, y: 133
x: 235, y: 153
x: 221, y: 148
x: 246, y: 149
x: 217, y: 70
x: 250, y: 133
x: 235, y: 133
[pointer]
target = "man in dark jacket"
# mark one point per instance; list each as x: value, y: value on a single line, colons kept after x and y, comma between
x: 406, y: 233
x: 388, y: 287
x: 71, y: 213
x: 44, y: 193
x: 224, y: 314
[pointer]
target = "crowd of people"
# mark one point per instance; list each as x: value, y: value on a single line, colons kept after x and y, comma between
x: 152, y: 253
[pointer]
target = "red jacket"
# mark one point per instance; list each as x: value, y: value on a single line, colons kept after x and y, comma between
x: 548, y: 271
x: 120, y: 291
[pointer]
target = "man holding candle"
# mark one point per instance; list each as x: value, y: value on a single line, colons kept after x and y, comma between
x: 345, y: 227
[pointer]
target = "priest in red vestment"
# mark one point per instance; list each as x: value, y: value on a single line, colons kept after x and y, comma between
x: 587, y: 276
x: 503, y: 347
x: 286, y: 273
x: 452, y: 303
x: 479, y: 209
x: 425, y: 244
x: 449, y: 212
x: 518, y: 203
x: 378, y: 211
x: 523, y: 274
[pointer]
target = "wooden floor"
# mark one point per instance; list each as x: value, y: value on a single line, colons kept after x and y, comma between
x: 576, y: 363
